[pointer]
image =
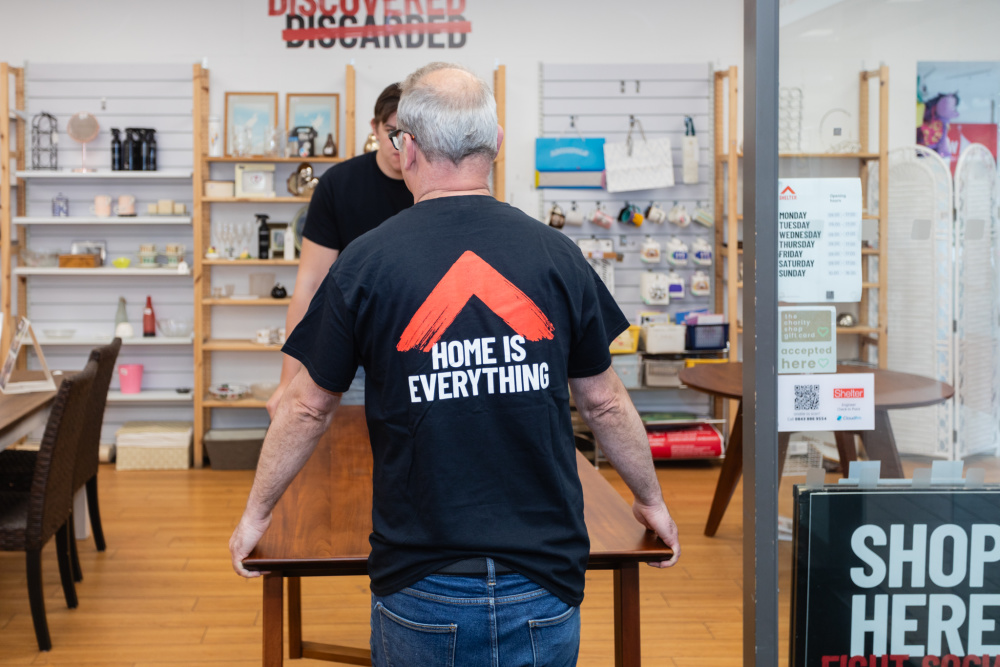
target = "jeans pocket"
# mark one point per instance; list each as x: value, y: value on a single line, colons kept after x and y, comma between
x: 406, y: 642
x: 555, y: 641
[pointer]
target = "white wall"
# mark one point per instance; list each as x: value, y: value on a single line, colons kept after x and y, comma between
x: 823, y: 53
x: 245, y: 51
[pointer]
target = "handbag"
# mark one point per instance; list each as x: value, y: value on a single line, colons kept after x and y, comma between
x: 638, y: 165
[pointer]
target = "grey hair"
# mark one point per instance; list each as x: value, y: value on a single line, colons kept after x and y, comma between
x: 449, y: 123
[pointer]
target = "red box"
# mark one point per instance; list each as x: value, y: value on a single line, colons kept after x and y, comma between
x: 689, y: 442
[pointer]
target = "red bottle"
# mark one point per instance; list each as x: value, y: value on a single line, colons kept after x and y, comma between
x: 148, y: 319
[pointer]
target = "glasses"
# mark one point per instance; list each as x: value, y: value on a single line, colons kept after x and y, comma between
x: 396, y: 137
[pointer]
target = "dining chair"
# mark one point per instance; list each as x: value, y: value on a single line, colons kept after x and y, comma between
x: 21, y: 463
x: 29, y: 519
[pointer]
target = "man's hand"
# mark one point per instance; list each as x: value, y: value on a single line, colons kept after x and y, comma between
x: 244, y: 539
x: 657, y: 519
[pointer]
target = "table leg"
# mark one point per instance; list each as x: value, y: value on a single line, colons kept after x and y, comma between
x: 729, y: 476
x: 294, y: 618
x: 627, y: 640
x: 273, y: 593
x: 880, y: 445
x: 847, y: 450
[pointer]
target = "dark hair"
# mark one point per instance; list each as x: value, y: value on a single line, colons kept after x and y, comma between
x: 387, y: 103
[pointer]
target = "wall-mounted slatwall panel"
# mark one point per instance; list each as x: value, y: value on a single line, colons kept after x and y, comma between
x: 118, y: 95
x: 601, y: 98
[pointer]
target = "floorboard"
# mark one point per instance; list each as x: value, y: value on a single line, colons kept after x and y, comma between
x: 164, y: 592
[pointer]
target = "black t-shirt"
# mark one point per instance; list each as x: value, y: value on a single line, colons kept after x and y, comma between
x: 351, y: 198
x: 469, y: 318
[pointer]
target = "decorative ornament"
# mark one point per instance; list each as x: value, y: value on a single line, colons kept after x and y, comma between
x: 371, y: 143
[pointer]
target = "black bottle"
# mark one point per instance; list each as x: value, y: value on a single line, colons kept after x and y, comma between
x: 136, y: 149
x: 116, y: 150
x: 127, y: 151
x: 149, y: 160
x: 263, y: 237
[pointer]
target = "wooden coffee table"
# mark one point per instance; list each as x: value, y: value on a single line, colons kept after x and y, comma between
x: 322, y: 523
x: 893, y: 391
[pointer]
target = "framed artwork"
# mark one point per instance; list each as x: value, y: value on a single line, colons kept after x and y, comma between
x: 254, y: 180
x: 277, y: 239
x: 250, y: 121
x: 320, y: 111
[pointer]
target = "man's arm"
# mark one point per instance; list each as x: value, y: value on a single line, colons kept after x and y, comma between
x: 605, y: 405
x: 302, y: 417
x: 314, y: 263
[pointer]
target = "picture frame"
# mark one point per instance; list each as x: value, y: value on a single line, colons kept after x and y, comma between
x: 277, y: 239
x: 258, y: 112
x: 22, y: 332
x: 254, y: 181
x: 321, y: 111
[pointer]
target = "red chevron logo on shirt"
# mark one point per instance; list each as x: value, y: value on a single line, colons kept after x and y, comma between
x: 472, y: 276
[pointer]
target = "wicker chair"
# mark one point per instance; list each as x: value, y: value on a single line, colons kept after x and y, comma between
x: 18, y: 466
x: 29, y: 519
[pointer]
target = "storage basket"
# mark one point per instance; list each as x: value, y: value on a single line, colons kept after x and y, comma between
x: 627, y: 341
x: 153, y: 446
x: 663, y: 372
x: 234, y: 448
x: 663, y: 338
x: 629, y: 369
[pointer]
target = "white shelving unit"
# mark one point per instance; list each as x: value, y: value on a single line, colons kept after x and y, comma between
x: 113, y: 220
x: 163, y: 174
x: 85, y: 299
x: 152, y: 396
x: 98, y: 271
x: 95, y: 341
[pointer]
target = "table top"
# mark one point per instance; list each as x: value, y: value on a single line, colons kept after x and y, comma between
x: 322, y: 523
x: 893, y: 390
x: 14, y: 407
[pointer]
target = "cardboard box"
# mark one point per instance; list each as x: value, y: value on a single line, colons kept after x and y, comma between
x: 663, y: 338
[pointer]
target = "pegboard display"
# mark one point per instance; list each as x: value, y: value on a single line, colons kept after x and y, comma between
x: 597, y: 101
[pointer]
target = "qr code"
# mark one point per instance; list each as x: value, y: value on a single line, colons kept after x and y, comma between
x: 806, y: 396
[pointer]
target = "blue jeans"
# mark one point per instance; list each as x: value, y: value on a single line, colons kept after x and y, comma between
x: 488, y: 621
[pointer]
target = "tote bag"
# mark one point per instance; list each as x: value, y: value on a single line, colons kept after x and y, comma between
x: 645, y: 164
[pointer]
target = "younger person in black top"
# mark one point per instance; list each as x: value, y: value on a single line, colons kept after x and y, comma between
x: 351, y: 198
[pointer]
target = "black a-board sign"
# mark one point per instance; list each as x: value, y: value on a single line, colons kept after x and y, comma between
x: 895, y: 577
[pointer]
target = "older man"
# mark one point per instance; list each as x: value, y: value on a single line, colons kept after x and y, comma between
x: 473, y: 321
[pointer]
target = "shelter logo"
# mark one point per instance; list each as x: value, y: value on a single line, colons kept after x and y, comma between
x: 384, y: 24
x: 472, y: 276
x: 788, y: 194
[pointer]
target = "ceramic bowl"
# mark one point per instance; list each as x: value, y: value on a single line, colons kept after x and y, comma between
x: 229, y: 392
x: 121, y: 262
x: 174, y: 328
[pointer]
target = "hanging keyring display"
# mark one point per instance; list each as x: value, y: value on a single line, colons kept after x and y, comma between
x: 44, y: 142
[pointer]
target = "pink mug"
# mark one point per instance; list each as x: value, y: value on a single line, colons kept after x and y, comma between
x: 126, y: 205
x: 102, y: 206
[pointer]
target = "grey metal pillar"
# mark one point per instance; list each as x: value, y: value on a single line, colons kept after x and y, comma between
x: 760, y: 342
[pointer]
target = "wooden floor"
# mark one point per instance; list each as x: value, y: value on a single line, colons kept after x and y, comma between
x: 163, y: 594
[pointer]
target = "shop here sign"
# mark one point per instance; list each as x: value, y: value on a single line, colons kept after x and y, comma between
x: 896, y: 578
